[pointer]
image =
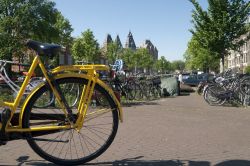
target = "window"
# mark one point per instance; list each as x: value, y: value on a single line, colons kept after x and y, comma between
x: 245, y: 47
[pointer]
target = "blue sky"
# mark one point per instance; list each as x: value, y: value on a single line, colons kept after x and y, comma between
x: 165, y: 22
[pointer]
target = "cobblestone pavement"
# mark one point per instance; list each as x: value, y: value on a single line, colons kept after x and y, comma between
x: 178, y: 131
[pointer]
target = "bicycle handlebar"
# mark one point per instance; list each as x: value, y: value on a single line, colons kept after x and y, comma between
x: 13, y: 63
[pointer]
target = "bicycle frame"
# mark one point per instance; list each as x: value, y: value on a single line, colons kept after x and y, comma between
x: 59, y: 72
x: 88, y: 91
x: 8, y: 81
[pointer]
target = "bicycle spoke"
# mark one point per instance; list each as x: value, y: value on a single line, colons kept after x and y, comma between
x: 69, y: 145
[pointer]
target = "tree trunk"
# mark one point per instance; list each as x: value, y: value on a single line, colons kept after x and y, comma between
x: 222, y: 63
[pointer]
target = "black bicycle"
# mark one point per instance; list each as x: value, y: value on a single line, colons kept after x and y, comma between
x: 230, y: 87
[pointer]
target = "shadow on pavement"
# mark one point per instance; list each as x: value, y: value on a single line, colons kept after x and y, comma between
x: 23, y: 160
x: 129, y: 162
x: 138, y: 103
x: 184, y: 94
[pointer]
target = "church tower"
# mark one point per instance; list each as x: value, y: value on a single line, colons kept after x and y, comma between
x: 118, y: 42
x: 107, y: 40
x: 130, y: 43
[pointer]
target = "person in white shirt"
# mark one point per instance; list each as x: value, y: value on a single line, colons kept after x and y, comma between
x: 180, y: 78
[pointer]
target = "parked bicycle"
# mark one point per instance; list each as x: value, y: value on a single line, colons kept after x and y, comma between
x: 33, y: 82
x: 227, y: 87
x: 154, y: 87
x: 59, y: 133
x: 126, y: 86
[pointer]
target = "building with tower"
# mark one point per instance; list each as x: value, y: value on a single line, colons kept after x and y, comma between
x: 130, y: 43
x: 151, y: 48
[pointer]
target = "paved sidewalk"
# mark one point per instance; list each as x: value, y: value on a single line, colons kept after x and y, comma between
x: 180, y: 131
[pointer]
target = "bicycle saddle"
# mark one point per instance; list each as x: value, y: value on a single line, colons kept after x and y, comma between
x: 44, y: 48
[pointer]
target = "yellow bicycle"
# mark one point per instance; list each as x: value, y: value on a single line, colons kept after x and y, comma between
x: 60, y: 133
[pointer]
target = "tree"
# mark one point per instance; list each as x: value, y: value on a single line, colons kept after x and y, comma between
x: 178, y: 65
x: 162, y: 65
x: 127, y: 55
x: 28, y: 19
x: 64, y: 30
x: 86, y: 47
x: 139, y: 59
x: 198, y: 58
x: 143, y: 58
x: 219, y: 29
x: 113, y: 52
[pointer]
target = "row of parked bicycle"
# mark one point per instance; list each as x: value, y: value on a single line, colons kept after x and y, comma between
x: 136, y: 87
x: 229, y: 87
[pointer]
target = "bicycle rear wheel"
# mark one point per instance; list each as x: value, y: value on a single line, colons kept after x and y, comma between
x: 70, y: 147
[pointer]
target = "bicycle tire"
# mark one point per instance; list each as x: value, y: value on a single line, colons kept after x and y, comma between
x: 210, y: 96
x: 245, y: 85
x: 139, y: 92
x: 151, y: 92
x: 130, y: 89
x: 156, y: 91
x: 50, y: 98
x: 82, y: 147
x: 144, y: 86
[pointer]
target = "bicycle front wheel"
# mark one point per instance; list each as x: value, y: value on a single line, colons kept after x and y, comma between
x: 211, y: 95
x: 245, y: 86
x: 69, y: 146
x: 131, y: 90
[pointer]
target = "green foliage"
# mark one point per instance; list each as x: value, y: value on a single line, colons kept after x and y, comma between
x: 127, y: 55
x: 247, y: 70
x: 30, y: 19
x: 64, y: 30
x: 198, y: 58
x: 219, y: 29
x: 86, y: 47
x: 6, y: 94
x: 139, y: 59
x: 142, y: 58
x: 177, y: 65
x: 163, y: 65
x: 113, y: 52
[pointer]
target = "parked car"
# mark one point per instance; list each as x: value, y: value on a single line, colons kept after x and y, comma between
x: 195, y: 79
